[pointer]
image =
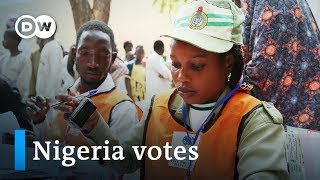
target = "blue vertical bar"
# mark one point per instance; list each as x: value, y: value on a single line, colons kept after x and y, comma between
x: 20, y: 150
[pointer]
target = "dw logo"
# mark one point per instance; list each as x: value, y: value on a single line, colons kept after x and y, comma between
x: 43, y: 26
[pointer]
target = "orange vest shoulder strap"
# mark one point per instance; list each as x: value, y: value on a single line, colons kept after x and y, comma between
x: 118, y: 93
x: 248, y: 104
x: 105, y: 103
x: 163, y: 98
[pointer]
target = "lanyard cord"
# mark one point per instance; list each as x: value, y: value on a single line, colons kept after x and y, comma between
x: 192, y: 141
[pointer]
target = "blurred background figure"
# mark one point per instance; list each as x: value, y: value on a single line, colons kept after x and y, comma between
x: 282, y: 49
x: 16, y: 65
x: 68, y: 72
x: 158, y: 75
x: 129, y: 57
x: 35, y: 59
x: 71, y: 67
x: 141, y: 53
x: 136, y: 81
x: 118, y: 72
x: 23, y: 45
x: 127, y: 46
x: 49, y: 70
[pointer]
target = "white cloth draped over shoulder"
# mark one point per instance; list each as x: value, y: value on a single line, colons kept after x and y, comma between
x: 18, y: 70
x: 158, y: 75
x: 49, y: 71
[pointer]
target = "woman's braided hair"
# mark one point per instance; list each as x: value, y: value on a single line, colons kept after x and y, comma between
x: 238, y: 66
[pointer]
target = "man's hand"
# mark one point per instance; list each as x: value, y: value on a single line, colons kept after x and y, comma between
x: 37, y: 108
x: 70, y: 106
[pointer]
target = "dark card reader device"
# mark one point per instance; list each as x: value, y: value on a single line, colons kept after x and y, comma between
x: 82, y: 113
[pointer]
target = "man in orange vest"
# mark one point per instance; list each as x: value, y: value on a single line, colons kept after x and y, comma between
x: 236, y: 135
x: 94, y: 55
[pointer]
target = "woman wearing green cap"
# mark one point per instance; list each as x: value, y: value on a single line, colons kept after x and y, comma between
x: 237, y: 136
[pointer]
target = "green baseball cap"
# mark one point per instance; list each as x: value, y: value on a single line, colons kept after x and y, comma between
x: 212, y: 25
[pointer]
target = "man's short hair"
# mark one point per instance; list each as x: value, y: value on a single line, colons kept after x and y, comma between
x: 95, y: 25
x: 139, y: 47
x: 158, y: 45
x: 126, y: 43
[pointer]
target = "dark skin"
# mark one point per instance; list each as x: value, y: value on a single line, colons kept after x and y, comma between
x: 128, y: 47
x: 71, y: 59
x: 11, y: 44
x: 94, y: 56
x: 139, y: 57
x: 193, y: 69
x: 160, y: 51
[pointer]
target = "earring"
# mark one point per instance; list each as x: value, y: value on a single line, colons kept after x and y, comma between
x: 229, y: 76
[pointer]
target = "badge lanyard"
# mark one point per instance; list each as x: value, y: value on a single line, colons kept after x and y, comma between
x: 192, y: 141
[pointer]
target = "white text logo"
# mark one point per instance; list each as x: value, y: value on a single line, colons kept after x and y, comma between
x: 43, y: 26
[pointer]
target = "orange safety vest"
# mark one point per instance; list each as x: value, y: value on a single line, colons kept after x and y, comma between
x: 105, y: 102
x: 138, y: 82
x: 217, y: 147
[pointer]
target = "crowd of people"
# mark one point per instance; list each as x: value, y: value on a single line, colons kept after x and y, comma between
x: 218, y: 48
x: 50, y: 70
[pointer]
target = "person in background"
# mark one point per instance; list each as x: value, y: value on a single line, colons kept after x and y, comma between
x: 129, y: 57
x: 136, y: 79
x: 35, y: 60
x: 49, y: 70
x: 67, y: 76
x: 70, y: 64
x: 158, y: 75
x: 282, y: 49
x: 143, y: 61
x: 118, y: 72
x: 23, y: 45
x: 16, y: 65
x: 127, y: 46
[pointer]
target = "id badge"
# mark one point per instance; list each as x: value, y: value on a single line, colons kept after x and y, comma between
x: 179, y: 139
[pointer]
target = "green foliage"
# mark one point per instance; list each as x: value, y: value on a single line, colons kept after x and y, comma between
x: 170, y: 5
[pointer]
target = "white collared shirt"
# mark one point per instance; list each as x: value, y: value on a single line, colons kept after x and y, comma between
x: 120, y: 122
x: 198, y: 114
